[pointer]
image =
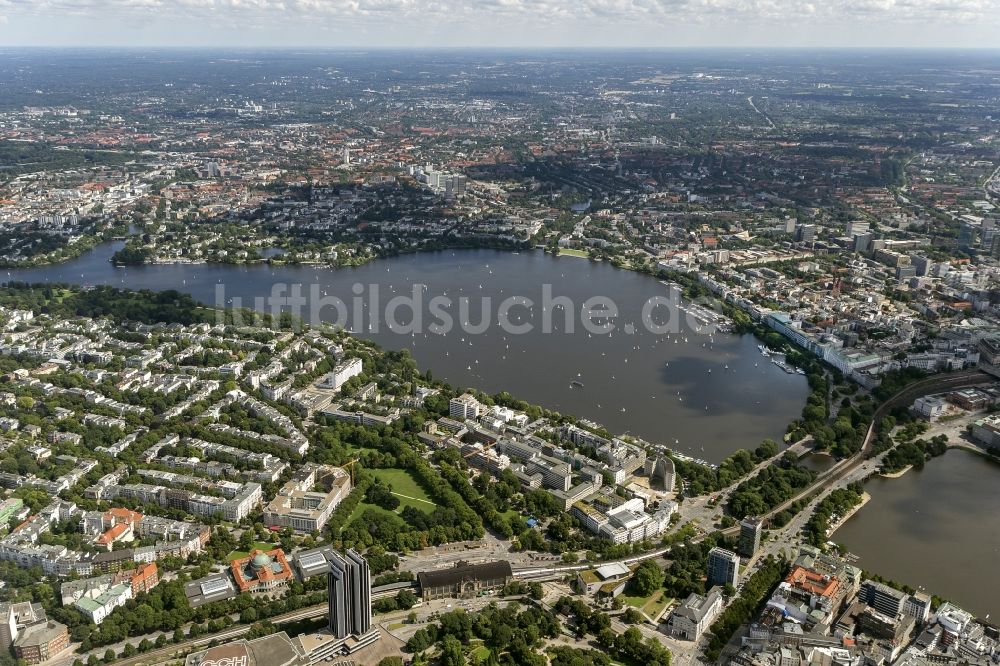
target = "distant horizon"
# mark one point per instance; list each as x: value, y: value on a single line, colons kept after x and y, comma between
x: 501, y: 24
x: 496, y: 47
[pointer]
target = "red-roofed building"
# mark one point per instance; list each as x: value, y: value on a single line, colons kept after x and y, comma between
x: 811, y: 596
x: 261, y: 572
x: 118, y: 516
x: 145, y: 578
x: 120, y: 532
x: 812, y: 582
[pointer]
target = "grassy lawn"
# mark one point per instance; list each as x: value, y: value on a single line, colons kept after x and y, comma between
x: 635, y: 602
x: 364, y: 506
x: 655, y: 606
x: 59, y: 295
x: 481, y: 652
x: 357, y: 450
x: 511, y: 513
x: 406, y: 488
x: 570, y: 252
x: 652, y: 605
x: 258, y: 545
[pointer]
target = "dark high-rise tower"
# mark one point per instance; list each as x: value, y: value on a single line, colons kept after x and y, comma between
x: 349, y: 587
x: 750, y: 532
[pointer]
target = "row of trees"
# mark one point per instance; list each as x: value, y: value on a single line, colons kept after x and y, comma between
x: 404, y: 600
x: 701, y: 479
x: 770, y: 487
x: 628, y: 646
x: 513, y: 635
x: 914, y: 453
x: 837, y: 503
x: 755, y: 592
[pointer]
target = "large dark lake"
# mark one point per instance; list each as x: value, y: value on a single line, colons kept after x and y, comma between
x: 703, y: 395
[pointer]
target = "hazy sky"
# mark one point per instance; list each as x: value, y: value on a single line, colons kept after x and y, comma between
x: 578, y: 23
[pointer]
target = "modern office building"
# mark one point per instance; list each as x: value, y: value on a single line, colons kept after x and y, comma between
x: 350, y: 589
x: 893, y: 602
x: 863, y: 242
x: 805, y: 233
x: 750, y: 532
x: 856, y: 227
x: 918, y: 606
x: 930, y: 407
x: 986, y: 431
x: 723, y: 567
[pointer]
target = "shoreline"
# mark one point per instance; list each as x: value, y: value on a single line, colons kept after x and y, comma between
x: 865, y: 498
x: 897, y: 474
x: 970, y: 448
x: 723, y: 323
x: 706, y: 317
x: 963, y: 446
x: 571, y: 252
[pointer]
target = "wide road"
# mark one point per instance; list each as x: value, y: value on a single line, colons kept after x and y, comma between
x: 988, y: 188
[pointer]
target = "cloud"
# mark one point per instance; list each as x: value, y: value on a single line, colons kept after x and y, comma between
x: 638, y: 10
x: 494, y: 21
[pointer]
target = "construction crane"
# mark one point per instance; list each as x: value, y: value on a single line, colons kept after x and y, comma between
x: 351, y: 465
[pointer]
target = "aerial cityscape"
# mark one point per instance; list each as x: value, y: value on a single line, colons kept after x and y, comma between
x: 498, y: 356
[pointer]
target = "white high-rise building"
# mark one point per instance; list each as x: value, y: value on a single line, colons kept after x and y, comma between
x: 464, y: 407
x: 342, y: 372
x: 723, y: 567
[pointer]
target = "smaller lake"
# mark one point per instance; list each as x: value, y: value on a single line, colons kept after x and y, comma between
x: 937, y: 529
x: 817, y: 462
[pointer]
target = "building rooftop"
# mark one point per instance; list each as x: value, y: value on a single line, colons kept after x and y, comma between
x: 464, y: 571
x: 216, y: 587
x: 274, y: 650
x: 615, y: 570
x: 813, y: 582
x: 39, y: 634
x: 697, y: 606
x: 312, y: 562
x: 260, y: 567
